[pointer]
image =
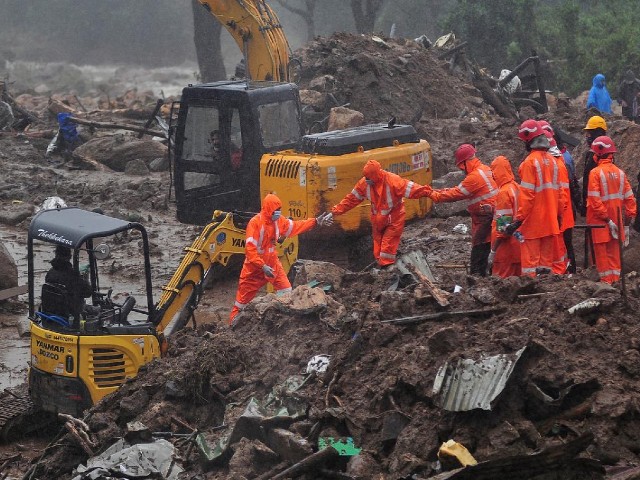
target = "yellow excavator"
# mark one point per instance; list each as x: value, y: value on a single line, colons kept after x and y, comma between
x: 232, y: 142
x: 79, y: 356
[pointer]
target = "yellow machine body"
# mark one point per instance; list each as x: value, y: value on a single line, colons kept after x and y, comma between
x: 312, y: 183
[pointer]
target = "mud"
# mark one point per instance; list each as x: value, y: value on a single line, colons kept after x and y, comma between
x: 577, y: 375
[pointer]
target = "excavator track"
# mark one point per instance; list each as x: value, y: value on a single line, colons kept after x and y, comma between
x: 18, y: 415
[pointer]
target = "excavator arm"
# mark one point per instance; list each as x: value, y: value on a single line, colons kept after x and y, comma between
x: 256, y: 29
x: 216, y: 244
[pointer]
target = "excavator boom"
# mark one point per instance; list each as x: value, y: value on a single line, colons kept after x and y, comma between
x: 256, y: 29
x: 216, y: 244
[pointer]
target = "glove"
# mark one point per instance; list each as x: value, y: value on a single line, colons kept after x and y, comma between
x: 626, y: 236
x: 512, y: 227
x: 613, y: 228
x: 492, y: 256
x: 268, y: 271
x: 325, y: 219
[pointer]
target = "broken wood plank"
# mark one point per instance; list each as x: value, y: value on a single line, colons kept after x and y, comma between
x: 13, y: 292
x: 532, y: 295
x: 148, y: 123
x: 443, y: 315
x: 438, y: 294
x: 313, y: 461
x: 122, y: 126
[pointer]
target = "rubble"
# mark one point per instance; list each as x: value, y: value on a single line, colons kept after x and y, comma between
x: 569, y: 403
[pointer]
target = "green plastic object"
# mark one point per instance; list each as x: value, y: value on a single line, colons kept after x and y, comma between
x: 344, y: 447
x: 326, y: 286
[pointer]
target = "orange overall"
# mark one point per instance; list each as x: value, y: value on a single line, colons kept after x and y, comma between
x: 260, y: 250
x: 608, y: 191
x: 541, y: 205
x: 507, y: 259
x: 560, y: 258
x: 386, y: 191
x: 479, y: 188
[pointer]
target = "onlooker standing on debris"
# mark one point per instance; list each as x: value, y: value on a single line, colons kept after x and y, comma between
x: 610, y: 195
x: 596, y: 127
x: 66, y: 139
x: 480, y: 189
x: 628, y: 91
x: 261, y: 263
x: 504, y: 258
x: 386, y: 191
x: 541, y: 204
x: 599, y: 97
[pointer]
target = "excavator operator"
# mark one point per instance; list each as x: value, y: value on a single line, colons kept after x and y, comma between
x: 261, y: 264
x: 386, y: 191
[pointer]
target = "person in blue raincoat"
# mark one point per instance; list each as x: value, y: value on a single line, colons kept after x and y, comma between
x: 66, y: 139
x: 599, y: 97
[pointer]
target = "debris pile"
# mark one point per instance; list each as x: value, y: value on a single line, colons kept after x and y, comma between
x: 517, y: 374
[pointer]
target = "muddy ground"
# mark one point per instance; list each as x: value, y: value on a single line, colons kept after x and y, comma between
x: 578, y: 374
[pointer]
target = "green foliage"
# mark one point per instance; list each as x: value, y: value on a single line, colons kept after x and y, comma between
x: 577, y: 38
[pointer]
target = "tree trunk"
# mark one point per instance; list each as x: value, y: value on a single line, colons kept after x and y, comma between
x: 365, y: 13
x: 306, y: 14
x: 206, y: 36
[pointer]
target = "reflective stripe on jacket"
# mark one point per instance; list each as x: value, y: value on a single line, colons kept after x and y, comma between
x: 478, y: 187
x: 608, y: 190
x: 541, y: 202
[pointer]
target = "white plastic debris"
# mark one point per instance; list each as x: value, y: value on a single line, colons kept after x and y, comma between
x: 457, y: 289
x: 51, y: 203
x: 513, y: 85
x: 318, y: 363
x: 461, y: 228
x: 586, y: 306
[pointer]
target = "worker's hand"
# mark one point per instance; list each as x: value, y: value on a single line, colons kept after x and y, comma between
x: 325, y: 219
x: 268, y: 271
x: 613, y: 228
x: 492, y: 256
x: 425, y: 191
x: 626, y: 236
x: 512, y: 227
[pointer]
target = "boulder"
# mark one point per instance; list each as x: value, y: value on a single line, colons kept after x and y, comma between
x: 342, y: 117
x: 136, y: 167
x: 116, y: 151
x: 8, y: 269
x: 313, y: 98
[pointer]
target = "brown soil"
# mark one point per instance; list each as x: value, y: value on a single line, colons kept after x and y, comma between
x: 586, y: 366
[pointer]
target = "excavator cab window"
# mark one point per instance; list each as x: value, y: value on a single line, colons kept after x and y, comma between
x: 279, y: 124
x: 199, y: 148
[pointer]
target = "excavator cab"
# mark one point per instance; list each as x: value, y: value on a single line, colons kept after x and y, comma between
x: 83, y: 348
x: 222, y: 131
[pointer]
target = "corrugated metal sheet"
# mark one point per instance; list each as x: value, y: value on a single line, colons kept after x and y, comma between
x: 471, y: 384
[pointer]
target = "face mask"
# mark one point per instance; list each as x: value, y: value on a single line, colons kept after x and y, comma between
x: 276, y: 215
x: 369, y: 182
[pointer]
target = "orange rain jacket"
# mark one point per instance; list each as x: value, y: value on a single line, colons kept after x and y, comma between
x: 507, y: 259
x: 568, y: 218
x: 481, y: 190
x: 608, y: 190
x: 387, y: 196
x: 541, y: 201
x: 260, y: 250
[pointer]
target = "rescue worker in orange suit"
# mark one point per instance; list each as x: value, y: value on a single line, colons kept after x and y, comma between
x: 596, y: 126
x: 479, y: 188
x: 386, y: 191
x: 541, y: 202
x: 609, y: 192
x: 564, y: 255
x: 504, y: 258
x: 261, y: 263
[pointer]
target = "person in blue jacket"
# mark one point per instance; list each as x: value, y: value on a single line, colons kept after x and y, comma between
x: 599, y: 97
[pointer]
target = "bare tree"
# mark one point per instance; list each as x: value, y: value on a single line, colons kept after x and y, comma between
x: 365, y: 13
x: 306, y: 14
x: 206, y: 36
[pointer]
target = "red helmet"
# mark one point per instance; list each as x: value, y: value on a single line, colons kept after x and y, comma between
x: 529, y: 129
x: 546, y: 126
x: 464, y: 152
x: 603, y: 145
x: 549, y: 135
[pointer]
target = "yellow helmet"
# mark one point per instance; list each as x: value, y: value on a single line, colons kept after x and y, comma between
x: 596, y: 122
